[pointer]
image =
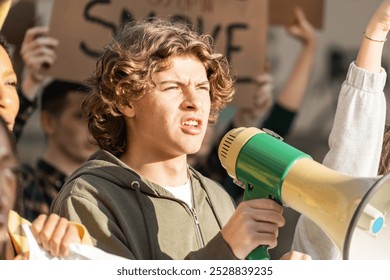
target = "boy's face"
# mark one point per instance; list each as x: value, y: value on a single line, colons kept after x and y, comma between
x: 8, y: 185
x: 69, y: 131
x: 9, y: 100
x: 172, y: 119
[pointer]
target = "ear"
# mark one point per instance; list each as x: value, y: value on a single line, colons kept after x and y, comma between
x: 127, y: 110
x: 48, y: 123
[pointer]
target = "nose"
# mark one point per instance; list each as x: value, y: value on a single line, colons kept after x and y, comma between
x: 2, y: 96
x: 5, y: 98
x: 192, y: 100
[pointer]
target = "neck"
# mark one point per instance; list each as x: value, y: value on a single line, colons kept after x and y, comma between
x: 60, y: 161
x: 171, y: 172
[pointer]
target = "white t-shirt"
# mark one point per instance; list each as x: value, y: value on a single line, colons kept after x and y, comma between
x: 182, y: 192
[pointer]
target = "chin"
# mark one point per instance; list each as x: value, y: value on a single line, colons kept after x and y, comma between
x: 193, y: 150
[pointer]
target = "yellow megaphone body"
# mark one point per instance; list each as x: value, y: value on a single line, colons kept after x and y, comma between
x: 350, y: 210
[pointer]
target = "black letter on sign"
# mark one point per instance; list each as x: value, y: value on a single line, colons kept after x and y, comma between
x: 97, y: 20
x: 126, y: 17
x: 230, y: 48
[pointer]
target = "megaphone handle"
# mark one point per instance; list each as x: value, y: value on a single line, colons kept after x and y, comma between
x: 260, y: 253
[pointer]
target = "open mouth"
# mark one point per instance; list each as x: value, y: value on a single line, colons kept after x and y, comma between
x: 193, y: 123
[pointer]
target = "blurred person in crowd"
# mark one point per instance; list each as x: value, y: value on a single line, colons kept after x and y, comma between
x: 67, y: 142
x: 52, y: 232
x: 9, y: 101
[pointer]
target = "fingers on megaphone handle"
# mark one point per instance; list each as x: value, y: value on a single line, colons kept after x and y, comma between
x: 267, y: 218
x: 255, y: 222
x: 271, y: 210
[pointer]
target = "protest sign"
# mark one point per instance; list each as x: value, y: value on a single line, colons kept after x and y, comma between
x: 237, y: 26
x: 281, y: 11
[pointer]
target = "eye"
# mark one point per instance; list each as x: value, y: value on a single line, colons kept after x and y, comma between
x: 11, y: 83
x: 204, y: 88
x: 171, y: 88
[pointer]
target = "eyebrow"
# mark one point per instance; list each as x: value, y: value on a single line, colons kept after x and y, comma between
x: 9, y: 73
x: 204, y: 83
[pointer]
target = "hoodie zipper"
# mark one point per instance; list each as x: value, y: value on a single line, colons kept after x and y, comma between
x: 198, y: 232
x: 195, y: 214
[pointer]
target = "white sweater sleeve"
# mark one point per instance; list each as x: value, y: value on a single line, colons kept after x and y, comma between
x: 355, y: 144
x: 356, y: 138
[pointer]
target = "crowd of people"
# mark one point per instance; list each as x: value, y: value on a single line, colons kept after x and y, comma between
x: 115, y: 170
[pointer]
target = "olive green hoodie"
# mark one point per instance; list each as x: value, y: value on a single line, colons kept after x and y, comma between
x: 128, y: 215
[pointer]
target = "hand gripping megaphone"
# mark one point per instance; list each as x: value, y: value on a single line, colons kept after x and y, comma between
x: 350, y: 210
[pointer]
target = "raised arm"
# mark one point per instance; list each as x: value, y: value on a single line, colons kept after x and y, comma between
x: 290, y: 99
x: 294, y: 90
x: 38, y: 54
x: 374, y: 37
x: 361, y: 109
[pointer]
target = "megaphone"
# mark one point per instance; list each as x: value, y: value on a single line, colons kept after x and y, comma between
x: 350, y: 210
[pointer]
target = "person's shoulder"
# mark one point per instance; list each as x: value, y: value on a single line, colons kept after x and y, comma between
x: 98, y: 179
x: 27, y: 176
x: 101, y: 171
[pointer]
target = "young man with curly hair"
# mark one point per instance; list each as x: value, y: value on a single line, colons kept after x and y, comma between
x: 155, y: 89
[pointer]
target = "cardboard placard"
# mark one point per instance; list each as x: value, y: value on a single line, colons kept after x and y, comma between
x: 281, y: 11
x: 237, y: 26
x: 5, y: 5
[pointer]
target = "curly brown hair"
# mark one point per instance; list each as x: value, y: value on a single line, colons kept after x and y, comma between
x: 384, y: 165
x: 125, y: 69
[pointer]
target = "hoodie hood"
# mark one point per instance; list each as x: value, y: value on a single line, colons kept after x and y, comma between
x: 104, y: 165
